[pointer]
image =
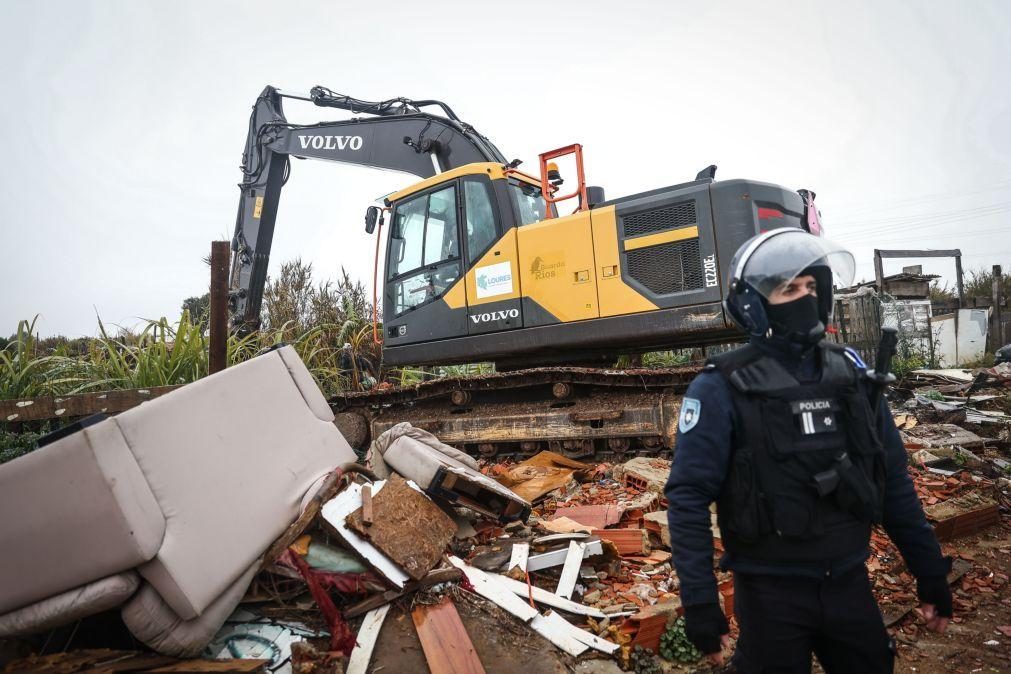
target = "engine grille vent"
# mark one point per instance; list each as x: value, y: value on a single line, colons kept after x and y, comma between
x: 660, y: 219
x: 669, y: 267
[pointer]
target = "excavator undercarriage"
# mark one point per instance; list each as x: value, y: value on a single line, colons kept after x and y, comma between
x: 609, y: 415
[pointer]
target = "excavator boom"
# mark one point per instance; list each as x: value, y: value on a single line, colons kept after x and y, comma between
x: 396, y: 134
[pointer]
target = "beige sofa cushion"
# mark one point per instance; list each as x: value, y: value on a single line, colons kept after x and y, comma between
x: 74, y: 511
x: 153, y: 622
x: 228, y: 459
x: 65, y: 608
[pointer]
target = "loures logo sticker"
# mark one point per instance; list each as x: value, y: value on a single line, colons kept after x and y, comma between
x: 495, y: 279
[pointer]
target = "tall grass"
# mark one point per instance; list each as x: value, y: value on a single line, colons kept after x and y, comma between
x: 25, y: 372
x: 161, y: 354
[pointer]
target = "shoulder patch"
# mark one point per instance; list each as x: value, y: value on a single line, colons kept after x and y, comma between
x: 854, y: 358
x: 691, y: 410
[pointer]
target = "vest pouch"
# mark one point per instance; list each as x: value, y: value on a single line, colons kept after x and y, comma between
x: 856, y: 493
x: 743, y: 509
x: 793, y: 515
x: 863, y: 489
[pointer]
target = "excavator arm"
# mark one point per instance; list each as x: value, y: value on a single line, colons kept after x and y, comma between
x: 395, y: 134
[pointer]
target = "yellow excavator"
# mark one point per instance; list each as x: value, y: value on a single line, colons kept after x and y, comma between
x: 480, y: 265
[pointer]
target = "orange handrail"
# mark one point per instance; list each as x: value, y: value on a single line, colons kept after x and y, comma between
x: 547, y: 189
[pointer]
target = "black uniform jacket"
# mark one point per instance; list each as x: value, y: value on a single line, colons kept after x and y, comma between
x: 701, y: 459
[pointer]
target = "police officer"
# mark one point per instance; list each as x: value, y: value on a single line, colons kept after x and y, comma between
x: 787, y: 437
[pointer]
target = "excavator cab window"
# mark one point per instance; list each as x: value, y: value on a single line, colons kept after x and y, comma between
x: 530, y: 205
x: 424, y: 259
x: 482, y: 230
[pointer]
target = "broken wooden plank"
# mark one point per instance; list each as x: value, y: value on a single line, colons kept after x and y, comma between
x: 444, y: 639
x: 492, y: 588
x: 570, y: 570
x: 542, y: 596
x: 494, y: 592
x: 556, y: 557
x: 367, y: 505
x: 561, y: 536
x: 92, y: 660
x: 555, y: 629
x: 584, y: 637
x: 361, y: 655
x: 408, y: 527
x: 82, y: 405
x: 519, y: 554
x: 334, y: 513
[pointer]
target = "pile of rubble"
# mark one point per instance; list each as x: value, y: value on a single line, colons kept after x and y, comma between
x: 956, y: 427
x: 425, y: 557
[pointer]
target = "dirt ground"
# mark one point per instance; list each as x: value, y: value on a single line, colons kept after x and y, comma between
x: 502, y: 642
x: 978, y: 613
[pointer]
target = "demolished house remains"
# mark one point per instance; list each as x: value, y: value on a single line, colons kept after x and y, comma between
x: 228, y: 526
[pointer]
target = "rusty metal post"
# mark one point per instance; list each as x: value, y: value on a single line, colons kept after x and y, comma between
x: 219, y: 306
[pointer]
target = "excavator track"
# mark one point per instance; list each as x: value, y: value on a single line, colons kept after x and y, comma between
x: 582, y: 413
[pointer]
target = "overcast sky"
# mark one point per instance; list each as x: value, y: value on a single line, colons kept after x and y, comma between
x: 123, y: 123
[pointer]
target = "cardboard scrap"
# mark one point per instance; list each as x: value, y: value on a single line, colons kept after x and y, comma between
x: 904, y: 421
x: 407, y: 526
x: 541, y: 474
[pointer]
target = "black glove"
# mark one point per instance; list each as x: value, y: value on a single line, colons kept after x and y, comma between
x: 705, y: 624
x: 935, y: 590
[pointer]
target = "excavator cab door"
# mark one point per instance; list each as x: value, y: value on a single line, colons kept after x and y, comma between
x: 493, y: 280
x: 423, y: 264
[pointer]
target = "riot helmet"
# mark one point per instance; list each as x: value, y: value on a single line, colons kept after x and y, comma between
x: 770, y: 261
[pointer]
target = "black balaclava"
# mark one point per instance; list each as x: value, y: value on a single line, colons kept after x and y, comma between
x: 801, y: 321
x: 796, y: 321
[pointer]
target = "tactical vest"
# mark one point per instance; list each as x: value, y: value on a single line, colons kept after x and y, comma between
x: 806, y: 478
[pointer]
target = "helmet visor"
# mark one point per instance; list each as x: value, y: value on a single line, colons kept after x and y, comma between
x: 780, y: 258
